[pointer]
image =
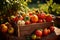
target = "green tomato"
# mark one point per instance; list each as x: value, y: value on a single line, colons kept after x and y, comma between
x: 26, y: 18
x: 33, y: 36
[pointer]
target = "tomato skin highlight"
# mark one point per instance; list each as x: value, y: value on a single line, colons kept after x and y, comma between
x: 40, y: 21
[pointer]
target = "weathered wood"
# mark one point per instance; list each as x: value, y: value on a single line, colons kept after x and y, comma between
x: 28, y: 29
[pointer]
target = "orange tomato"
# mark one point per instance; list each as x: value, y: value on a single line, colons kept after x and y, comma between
x: 48, y: 31
x: 4, y: 28
x: 45, y: 32
x: 34, y: 18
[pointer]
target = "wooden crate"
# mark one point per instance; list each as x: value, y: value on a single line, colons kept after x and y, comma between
x: 28, y: 29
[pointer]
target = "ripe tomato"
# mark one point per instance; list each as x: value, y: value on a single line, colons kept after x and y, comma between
x: 42, y: 15
x: 30, y: 13
x: 20, y: 18
x: 38, y: 33
x: 48, y: 31
x: 48, y: 18
x: 12, y: 17
x: 30, y: 16
x: 34, y: 18
x: 2, y: 24
x: 52, y: 28
x: 27, y: 22
x: 45, y: 32
x: 4, y: 28
x: 16, y: 19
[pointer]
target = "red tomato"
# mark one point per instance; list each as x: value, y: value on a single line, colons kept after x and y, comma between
x: 52, y: 28
x: 21, y: 18
x: 48, y: 18
x: 30, y: 13
x: 38, y: 33
x: 42, y: 16
x: 45, y: 32
x: 18, y: 18
x: 40, y: 21
x: 27, y: 22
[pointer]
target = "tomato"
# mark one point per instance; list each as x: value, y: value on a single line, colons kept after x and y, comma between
x: 48, y: 18
x: 41, y: 15
x: 20, y: 17
x: 27, y: 22
x: 12, y: 17
x: 16, y: 19
x: 11, y: 30
x: 38, y: 33
x: 30, y: 13
x: 34, y: 18
x: 52, y: 28
x: 2, y: 24
x: 45, y: 32
x: 30, y: 16
x: 34, y: 37
x: 23, y: 14
x: 26, y: 18
x: 49, y: 31
x: 4, y: 28
x: 40, y: 21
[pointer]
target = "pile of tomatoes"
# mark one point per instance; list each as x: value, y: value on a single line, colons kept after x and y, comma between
x: 23, y: 18
x: 6, y: 28
x: 39, y: 33
x: 31, y: 17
